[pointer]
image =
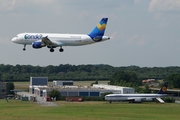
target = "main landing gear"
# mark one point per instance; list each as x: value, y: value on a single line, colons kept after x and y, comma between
x: 24, y: 47
x: 60, y: 50
x: 51, y: 50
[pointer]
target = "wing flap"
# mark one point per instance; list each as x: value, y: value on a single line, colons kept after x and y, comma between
x: 47, y: 41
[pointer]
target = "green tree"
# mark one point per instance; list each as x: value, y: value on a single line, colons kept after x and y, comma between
x: 96, y: 82
x: 147, y: 90
x: 123, y: 78
x: 9, y: 87
x: 55, y: 94
x: 173, y: 80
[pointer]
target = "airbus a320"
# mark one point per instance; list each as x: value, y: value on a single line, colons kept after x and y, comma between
x: 53, y: 40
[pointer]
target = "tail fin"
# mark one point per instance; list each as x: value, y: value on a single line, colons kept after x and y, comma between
x: 163, y: 90
x: 99, y: 30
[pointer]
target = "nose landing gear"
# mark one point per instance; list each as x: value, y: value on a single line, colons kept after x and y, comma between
x: 24, y: 47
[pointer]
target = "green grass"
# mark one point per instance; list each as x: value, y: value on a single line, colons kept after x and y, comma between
x: 17, y: 110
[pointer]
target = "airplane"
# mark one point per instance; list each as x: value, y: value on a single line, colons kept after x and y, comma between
x: 53, y: 40
x: 138, y: 98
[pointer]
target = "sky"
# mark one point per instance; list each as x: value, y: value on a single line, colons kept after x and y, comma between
x: 144, y: 33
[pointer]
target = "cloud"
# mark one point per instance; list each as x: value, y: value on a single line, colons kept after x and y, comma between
x: 7, y: 5
x: 136, y: 40
x: 32, y: 7
x: 164, y: 5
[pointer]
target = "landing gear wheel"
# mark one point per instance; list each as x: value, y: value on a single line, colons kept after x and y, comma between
x: 24, y: 47
x: 61, y: 50
x: 51, y: 50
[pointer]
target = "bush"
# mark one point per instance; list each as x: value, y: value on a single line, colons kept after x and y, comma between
x: 169, y: 100
x: 55, y: 94
x: 9, y: 87
x: 93, y: 98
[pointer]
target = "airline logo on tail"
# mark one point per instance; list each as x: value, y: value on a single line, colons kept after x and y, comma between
x: 98, y: 31
x: 163, y: 90
x: 101, y: 27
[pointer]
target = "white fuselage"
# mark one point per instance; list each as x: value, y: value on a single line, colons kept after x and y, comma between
x: 129, y: 97
x: 58, y: 39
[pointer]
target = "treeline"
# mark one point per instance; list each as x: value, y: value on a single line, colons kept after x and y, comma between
x: 67, y: 71
x: 81, y: 72
x: 130, y: 79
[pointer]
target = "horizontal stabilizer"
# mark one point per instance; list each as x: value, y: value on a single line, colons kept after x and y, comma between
x: 160, y: 100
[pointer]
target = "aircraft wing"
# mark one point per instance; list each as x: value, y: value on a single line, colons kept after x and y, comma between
x: 136, y: 99
x: 48, y: 42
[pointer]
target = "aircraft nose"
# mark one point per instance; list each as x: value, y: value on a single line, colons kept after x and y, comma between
x: 14, y: 39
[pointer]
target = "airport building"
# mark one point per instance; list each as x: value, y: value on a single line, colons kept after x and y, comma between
x: 62, y: 83
x: 37, y: 82
x: 39, y: 87
x: 2, y: 90
x: 79, y: 91
x: 120, y: 89
x: 40, y: 81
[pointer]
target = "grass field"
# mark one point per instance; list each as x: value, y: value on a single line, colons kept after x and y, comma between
x: 17, y: 110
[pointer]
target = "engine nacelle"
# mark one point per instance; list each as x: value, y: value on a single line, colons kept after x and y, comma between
x: 137, y: 101
x: 37, y: 45
x: 149, y: 99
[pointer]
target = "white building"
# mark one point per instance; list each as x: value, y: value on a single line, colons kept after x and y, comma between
x: 62, y: 83
x: 119, y: 89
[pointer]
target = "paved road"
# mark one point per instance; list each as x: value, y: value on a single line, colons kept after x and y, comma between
x: 39, y: 100
x: 43, y: 102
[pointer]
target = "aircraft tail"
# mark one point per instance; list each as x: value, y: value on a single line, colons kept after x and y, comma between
x: 98, y: 32
x: 163, y: 90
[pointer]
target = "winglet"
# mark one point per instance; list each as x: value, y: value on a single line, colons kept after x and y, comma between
x: 99, y: 30
x: 163, y: 90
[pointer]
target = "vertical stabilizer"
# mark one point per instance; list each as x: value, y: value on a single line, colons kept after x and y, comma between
x: 98, y: 32
x: 163, y: 90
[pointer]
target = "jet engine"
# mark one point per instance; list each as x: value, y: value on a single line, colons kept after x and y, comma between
x: 137, y: 101
x: 37, y: 45
x: 149, y: 99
